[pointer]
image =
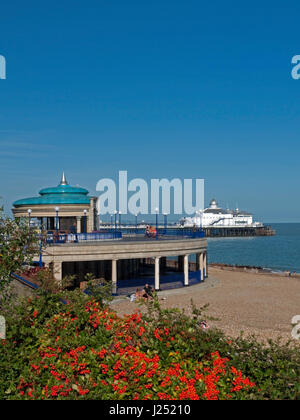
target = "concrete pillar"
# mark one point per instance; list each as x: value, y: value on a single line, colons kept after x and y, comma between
x: 57, y: 271
x: 114, y: 276
x: 205, y: 264
x: 93, y: 220
x: 78, y: 219
x: 201, y: 266
x: 186, y: 270
x: 157, y: 283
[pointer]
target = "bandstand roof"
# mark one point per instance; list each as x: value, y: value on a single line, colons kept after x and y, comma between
x: 62, y: 194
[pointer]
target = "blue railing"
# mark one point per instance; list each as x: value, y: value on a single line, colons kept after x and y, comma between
x: 24, y: 281
x: 163, y: 232
x: 62, y: 238
x: 112, y: 234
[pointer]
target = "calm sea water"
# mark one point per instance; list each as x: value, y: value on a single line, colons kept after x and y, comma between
x: 280, y: 252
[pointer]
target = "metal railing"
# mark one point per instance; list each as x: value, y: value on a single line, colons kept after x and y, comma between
x: 111, y: 234
x: 164, y: 233
x: 61, y: 238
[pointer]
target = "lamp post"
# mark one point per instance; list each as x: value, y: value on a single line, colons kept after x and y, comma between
x: 136, y: 224
x: 156, y: 211
x: 120, y: 220
x: 29, y: 211
x: 111, y: 220
x: 116, y: 219
x: 57, y: 222
x: 41, y: 247
x: 165, y: 223
x: 84, y: 220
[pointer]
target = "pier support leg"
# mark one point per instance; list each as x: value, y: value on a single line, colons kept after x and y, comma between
x: 114, y: 276
x: 186, y: 270
x: 157, y: 282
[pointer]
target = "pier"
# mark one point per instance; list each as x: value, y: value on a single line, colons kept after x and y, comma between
x: 231, y: 231
x: 208, y: 232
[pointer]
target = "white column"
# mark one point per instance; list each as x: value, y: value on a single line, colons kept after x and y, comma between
x: 57, y: 271
x: 78, y: 218
x: 114, y: 276
x: 186, y: 270
x: 157, y: 284
x: 205, y: 264
x: 201, y: 266
x: 90, y: 217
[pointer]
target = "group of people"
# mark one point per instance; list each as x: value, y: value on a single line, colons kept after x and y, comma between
x: 150, y: 231
x: 146, y: 293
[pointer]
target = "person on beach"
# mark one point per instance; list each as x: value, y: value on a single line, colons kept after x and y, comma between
x: 148, y: 290
x: 137, y: 295
x: 204, y: 325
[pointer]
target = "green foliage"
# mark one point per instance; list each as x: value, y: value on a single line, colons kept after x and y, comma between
x: 100, y: 289
x: 18, y: 245
x: 68, y: 345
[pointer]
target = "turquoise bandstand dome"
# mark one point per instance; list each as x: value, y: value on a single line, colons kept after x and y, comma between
x: 62, y: 194
x: 63, y: 207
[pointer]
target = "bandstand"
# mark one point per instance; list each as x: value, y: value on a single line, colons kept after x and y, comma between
x: 63, y: 208
x: 76, y: 246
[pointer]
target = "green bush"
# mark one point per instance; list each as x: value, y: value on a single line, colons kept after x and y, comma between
x: 81, y: 349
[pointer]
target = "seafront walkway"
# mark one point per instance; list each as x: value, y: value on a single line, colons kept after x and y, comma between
x: 121, y: 259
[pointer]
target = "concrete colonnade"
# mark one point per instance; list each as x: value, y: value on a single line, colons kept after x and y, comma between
x: 129, y: 266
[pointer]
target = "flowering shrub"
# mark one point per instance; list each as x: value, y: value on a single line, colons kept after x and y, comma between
x: 92, y: 353
x: 82, y: 350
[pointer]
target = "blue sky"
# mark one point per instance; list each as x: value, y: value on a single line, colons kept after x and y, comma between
x: 164, y: 88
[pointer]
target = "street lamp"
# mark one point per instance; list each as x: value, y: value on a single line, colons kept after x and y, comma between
x: 156, y: 211
x: 41, y: 247
x: 116, y: 219
x: 120, y: 219
x: 84, y: 220
x: 111, y: 220
x: 29, y: 211
x: 57, y: 222
x: 165, y: 222
x: 136, y: 224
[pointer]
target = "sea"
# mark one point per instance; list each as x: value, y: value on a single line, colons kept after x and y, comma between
x: 276, y: 253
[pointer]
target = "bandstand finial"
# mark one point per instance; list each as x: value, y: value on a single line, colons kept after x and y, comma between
x: 63, y: 180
